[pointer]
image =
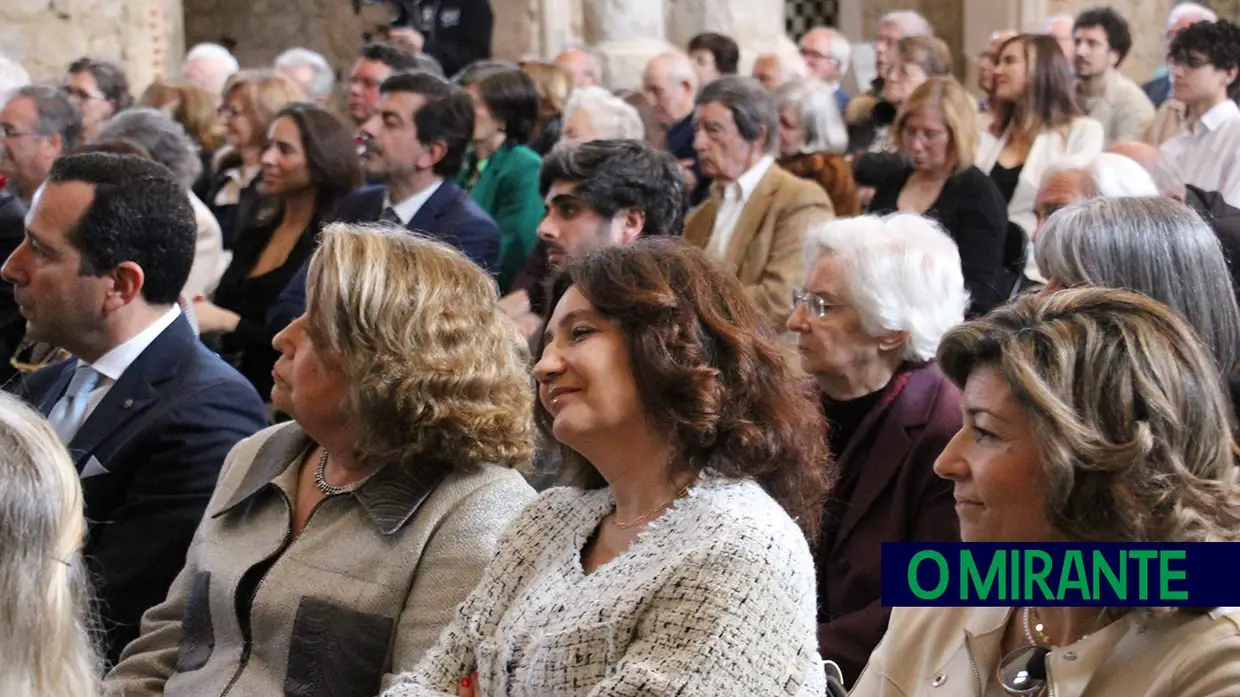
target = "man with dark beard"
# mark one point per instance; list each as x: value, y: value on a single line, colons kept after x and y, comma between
x: 598, y: 194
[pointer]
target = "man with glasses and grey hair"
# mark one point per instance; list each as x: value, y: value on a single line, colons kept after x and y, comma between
x: 37, y: 125
x: 827, y: 53
x: 754, y: 220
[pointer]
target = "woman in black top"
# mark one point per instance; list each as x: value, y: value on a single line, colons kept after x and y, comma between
x: 309, y: 165
x: 937, y: 131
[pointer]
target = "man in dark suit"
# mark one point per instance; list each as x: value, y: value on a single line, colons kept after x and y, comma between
x: 147, y: 412
x: 415, y: 144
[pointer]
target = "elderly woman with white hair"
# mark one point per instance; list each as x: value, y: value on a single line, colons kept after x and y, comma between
x: 593, y: 113
x: 813, y: 141
x: 880, y: 293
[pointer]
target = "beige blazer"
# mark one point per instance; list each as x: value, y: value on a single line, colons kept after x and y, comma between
x: 954, y: 651
x: 766, y: 248
x: 1124, y: 110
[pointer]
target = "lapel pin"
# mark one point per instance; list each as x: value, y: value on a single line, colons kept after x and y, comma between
x: 127, y: 404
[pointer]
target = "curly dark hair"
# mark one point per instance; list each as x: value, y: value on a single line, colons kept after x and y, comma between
x: 708, y: 370
x: 1119, y: 38
x: 723, y: 48
x: 1218, y: 43
x: 391, y: 55
x: 611, y: 175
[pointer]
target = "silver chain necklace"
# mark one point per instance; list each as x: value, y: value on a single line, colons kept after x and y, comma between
x: 320, y: 478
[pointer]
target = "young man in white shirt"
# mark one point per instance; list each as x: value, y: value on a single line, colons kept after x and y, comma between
x: 1205, y: 62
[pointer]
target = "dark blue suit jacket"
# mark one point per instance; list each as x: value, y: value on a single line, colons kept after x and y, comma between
x: 151, y: 453
x: 449, y: 215
x: 1158, y: 90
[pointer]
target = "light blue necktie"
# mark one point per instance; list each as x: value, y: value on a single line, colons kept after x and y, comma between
x: 66, y: 416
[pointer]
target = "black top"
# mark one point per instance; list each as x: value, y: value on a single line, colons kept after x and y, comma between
x: 1006, y: 178
x: 12, y: 324
x: 548, y: 136
x: 974, y: 213
x: 248, y: 348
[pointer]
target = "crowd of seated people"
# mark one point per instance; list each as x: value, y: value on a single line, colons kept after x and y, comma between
x: 493, y: 381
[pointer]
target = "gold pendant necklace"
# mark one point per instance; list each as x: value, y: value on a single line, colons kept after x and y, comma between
x: 644, y: 518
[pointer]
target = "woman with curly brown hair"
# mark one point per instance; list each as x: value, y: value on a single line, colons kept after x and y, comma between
x: 336, y: 547
x: 678, y: 564
x: 1090, y: 415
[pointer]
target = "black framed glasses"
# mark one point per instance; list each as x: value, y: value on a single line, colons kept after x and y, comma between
x: 814, y: 304
x: 81, y: 95
x: 1022, y: 673
x: 8, y: 131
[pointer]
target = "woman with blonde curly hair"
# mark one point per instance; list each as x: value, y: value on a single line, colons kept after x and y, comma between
x: 336, y: 547
x: 1090, y: 415
x: 45, y: 633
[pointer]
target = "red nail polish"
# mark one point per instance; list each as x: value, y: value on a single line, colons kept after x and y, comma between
x: 465, y: 682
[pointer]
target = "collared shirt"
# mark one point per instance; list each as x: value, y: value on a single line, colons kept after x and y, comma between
x: 236, y: 179
x: 114, y: 363
x: 1207, y: 152
x: 735, y: 195
x: 405, y: 210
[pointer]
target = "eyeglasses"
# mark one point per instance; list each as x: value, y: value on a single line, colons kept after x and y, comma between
x: 814, y: 304
x: 225, y: 111
x: 1022, y: 673
x: 8, y: 131
x: 81, y: 95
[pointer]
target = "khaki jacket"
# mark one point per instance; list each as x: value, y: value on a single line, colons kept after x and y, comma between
x: 950, y: 652
x: 1124, y: 110
x: 765, y: 250
x: 358, y: 596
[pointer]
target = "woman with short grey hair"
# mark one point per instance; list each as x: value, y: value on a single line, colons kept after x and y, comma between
x: 1152, y: 245
x: 167, y: 143
x: 813, y: 140
x: 880, y: 294
x: 593, y: 113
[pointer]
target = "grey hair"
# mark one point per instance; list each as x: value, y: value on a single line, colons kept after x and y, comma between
x: 161, y: 136
x: 12, y: 77
x: 911, y: 23
x: 324, y: 80
x: 904, y: 274
x: 1191, y: 9
x: 1166, y: 176
x: 1049, y: 22
x: 1152, y: 245
x: 817, y: 113
x: 428, y: 64
x: 752, y: 107
x: 680, y: 68
x: 47, y: 633
x: 57, y: 115
x: 611, y: 116
x: 839, y: 48
x: 1112, y: 175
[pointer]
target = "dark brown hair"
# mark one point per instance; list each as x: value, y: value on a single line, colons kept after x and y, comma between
x: 331, y: 154
x: 1049, y: 101
x: 709, y: 371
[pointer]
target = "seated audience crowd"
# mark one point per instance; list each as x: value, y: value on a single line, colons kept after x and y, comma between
x: 436, y: 375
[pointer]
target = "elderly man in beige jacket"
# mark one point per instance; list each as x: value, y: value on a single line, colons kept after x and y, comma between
x: 755, y: 219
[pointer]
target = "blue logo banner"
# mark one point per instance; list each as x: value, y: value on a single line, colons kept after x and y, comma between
x: 944, y: 574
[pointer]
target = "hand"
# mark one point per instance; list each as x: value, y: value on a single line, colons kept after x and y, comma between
x: 212, y: 318
x: 467, y: 685
x: 410, y: 38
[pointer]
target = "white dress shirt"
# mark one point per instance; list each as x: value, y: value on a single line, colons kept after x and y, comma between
x: 1207, y: 153
x: 735, y: 195
x: 115, y: 362
x: 405, y: 210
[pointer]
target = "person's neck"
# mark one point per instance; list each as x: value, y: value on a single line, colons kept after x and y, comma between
x: 299, y: 208
x: 754, y: 158
x: 934, y: 176
x: 1093, y: 85
x: 1195, y: 110
x: 251, y: 157
x: 399, y: 190
x: 342, y: 468
x: 1068, y: 625
x: 123, y: 325
x: 865, y: 381
x: 637, y: 473
x: 485, y: 148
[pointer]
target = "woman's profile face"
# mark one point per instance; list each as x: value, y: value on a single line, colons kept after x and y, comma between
x: 284, y: 159
x: 1012, y: 73
x: 905, y: 77
x: 485, y: 125
x: 585, y: 378
x: 993, y: 461
x: 307, y: 385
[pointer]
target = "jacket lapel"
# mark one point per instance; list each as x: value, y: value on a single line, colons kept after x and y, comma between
x: 135, y: 391
x: 701, y: 220
x: 749, y: 222
x: 434, y: 208
x: 57, y: 390
x: 885, y: 432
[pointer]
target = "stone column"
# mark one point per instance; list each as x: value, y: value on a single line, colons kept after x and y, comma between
x: 625, y: 35
x: 756, y: 25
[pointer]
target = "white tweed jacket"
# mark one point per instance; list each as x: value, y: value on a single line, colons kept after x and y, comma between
x: 716, y: 597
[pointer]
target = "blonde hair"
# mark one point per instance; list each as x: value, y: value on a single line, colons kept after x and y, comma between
x: 262, y: 93
x: 553, y: 85
x: 956, y: 107
x: 46, y: 633
x: 190, y: 106
x: 436, y: 370
x: 1131, y: 414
